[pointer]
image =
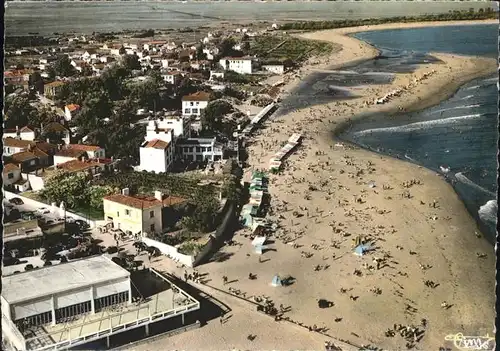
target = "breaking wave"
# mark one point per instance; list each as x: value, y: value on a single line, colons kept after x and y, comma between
x: 473, y: 87
x: 463, y: 179
x: 488, y: 212
x: 457, y: 108
x: 419, y: 125
x: 467, y: 97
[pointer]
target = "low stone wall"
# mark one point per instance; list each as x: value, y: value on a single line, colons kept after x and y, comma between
x: 169, y: 251
x: 37, y: 204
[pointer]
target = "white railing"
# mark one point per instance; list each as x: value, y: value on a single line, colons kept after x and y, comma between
x: 19, y: 338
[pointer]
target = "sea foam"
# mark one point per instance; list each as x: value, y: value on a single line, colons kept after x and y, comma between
x: 419, y: 125
x: 488, y: 212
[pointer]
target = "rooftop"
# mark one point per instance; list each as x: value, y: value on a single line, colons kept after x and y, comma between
x: 70, y: 153
x: 77, y: 165
x: 10, y: 167
x: 83, y: 147
x: 195, y: 141
x: 56, y: 279
x: 198, y: 96
x: 54, y: 84
x: 136, y: 201
x: 72, y: 107
x: 156, y: 144
x: 22, y: 156
x: 55, y: 127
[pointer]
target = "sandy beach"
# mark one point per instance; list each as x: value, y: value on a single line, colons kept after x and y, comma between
x: 433, y: 262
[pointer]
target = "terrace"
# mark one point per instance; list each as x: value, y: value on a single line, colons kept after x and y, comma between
x: 160, y: 300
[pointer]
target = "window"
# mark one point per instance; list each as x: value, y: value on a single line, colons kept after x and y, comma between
x: 191, y: 103
x: 152, y: 228
x: 187, y: 110
x: 10, y: 175
x: 151, y: 214
x: 198, y: 149
x: 197, y: 103
x: 127, y: 213
x: 32, y: 162
x: 209, y: 149
x: 191, y: 149
x: 117, y: 213
x: 195, y: 110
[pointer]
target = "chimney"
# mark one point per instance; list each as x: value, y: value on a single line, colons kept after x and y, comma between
x: 17, y: 130
x: 158, y: 195
x: 125, y: 191
x: 48, y: 140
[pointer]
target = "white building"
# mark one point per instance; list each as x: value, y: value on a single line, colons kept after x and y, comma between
x: 70, y: 110
x: 241, y: 65
x: 200, y: 149
x: 216, y: 74
x: 171, y: 77
x: 10, y: 174
x: 52, y: 295
x: 194, y: 104
x: 24, y: 133
x: 92, y: 151
x: 161, y: 129
x: 277, y: 69
x: 156, y: 155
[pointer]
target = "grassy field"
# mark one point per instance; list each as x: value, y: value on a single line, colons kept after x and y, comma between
x: 285, y: 47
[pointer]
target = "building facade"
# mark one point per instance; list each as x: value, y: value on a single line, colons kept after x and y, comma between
x: 194, y: 104
x: 200, y: 149
x: 241, y: 65
x: 156, y: 156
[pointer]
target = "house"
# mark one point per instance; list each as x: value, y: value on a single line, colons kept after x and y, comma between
x: 56, y: 132
x: 211, y: 53
x: 92, y: 167
x: 17, y: 77
x: 52, y: 89
x: 154, y: 45
x: 172, y: 77
x: 136, y: 214
x: 64, y: 155
x: 10, y: 175
x: 90, y: 54
x: 106, y: 59
x: 27, y: 161
x: 91, y: 150
x: 194, y: 104
x: 70, y: 110
x: 12, y: 146
x: 200, y: 65
x: 156, y: 155
x: 25, y: 133
x: 171, y: 46
x: 160, y: 129
x: 200, y: 149
x: 218, y: 75
x: 277, y: 69
x: 241, y: 65
x: 98, y: 68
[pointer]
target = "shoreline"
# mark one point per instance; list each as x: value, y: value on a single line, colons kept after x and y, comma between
x: 328, y: 184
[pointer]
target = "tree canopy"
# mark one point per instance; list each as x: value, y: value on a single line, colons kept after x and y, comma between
x: 63, y: 68
x: 213, y: 115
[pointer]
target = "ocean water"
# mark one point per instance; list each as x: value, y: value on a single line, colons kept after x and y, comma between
x: 459, y: 134
x: 22, y: 18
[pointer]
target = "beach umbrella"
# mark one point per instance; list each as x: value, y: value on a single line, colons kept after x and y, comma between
x: 361, y: 249
x: 276, y: 281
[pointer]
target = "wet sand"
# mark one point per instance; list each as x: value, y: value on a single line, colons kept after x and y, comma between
x: 422, y: 234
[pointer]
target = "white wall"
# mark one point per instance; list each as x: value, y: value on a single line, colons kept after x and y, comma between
x: 32, y: 308
x: 36, y: 204
x: 16, y: 175
x: 239, y: 66
x: 278, y: 69
x: 111, y: 288
x: 154, y: 160
x: 193, y: 108
x: 169, y: 251
x: 62, y: 159
x: 36, y: 183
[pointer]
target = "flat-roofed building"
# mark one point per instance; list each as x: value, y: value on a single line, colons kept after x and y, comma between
x: 200, y: 149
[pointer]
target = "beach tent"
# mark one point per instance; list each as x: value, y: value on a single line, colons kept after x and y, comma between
x: 361, y: 249
x: 277, y: 281
x: 258, y: 249
x: 259, y: 241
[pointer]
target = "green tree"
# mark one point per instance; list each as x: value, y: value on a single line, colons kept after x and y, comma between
x: 213, y: 115
x: 63, y: 67
x: 35, y: 82
x: 95, y: 194
x: 226, y: 47
x: 67, y: 187
x: 145, y: 94
x: 18, y: 112
x: 131, y: 62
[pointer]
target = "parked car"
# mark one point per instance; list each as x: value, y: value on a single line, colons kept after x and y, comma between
x: 43, y: 210
x: 16, y: 201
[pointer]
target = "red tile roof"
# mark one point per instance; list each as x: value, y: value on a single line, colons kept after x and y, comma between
x: 198, y: 96
x: 76, y: 165
x: 10, y: 167
x: 55, y: 127
x: 54, y: 84
x: 70, y: 153
x: 73, y: 107
x: 22, y: 156
x: 83, y: 147
x: 157, y: 144
x: 138, y: 201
